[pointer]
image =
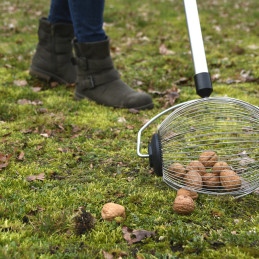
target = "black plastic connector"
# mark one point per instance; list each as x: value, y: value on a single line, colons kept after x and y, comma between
x: 155, y: 155
x: 203, y: 84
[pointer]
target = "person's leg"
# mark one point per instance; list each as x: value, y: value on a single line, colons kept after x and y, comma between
x: 59, y: 12
x: 87, y: 18
x: 52, y: 60
x: 97, y: 79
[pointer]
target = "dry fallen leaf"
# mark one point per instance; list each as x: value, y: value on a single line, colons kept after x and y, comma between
x: 26, y: 101
x: 132, y: 110
x: 21, y: 156
x: 20, y: 82
x: 134, y: 236
x: 164, y: 51
x: 4, y: 160
x: 40, y: 177
x: 245, y: 159
x: 34, y: 212
x: 36, y: 89
x: 107, y: 255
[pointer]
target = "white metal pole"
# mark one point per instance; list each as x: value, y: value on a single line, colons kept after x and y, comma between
x: 195, y: 35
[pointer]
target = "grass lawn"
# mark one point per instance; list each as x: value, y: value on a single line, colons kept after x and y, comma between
x: 87, y: 152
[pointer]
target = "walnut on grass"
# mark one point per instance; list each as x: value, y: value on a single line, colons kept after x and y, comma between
x: 183, y: 204
x: 194, y: 195
x: 112, y: 210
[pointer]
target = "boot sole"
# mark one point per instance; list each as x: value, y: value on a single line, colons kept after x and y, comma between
x: 46, y: 76
x: 149, y: 106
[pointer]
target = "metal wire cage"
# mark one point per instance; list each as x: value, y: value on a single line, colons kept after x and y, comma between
x: 211, y: 146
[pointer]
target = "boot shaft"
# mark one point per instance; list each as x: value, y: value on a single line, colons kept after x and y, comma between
x: 52, y: 60
x: 92, y: 50
x: 56, y: 38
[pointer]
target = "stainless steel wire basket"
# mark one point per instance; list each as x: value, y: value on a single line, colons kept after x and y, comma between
x: 226, y: 129
x: 209, y: 145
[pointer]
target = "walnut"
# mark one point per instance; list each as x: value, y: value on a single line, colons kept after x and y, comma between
x: 208, y: 158
x: 183, y: 204
x: 177, y: 170
x: 211, y: 181
x: 194, y: 195
x: 193, y: 179
x: 230, y: 180
x: 112, y: 210
x: 197, y: 166
x: 220, y: 166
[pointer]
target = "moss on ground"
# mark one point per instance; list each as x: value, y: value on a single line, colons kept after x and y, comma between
x: 88, y: 152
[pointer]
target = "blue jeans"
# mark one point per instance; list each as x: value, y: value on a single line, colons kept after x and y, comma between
x: 85, y: 15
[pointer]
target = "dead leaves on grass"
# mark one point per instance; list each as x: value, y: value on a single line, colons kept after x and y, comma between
x: 26, y: 101
x: 4, y: 160
x: 136, y: 235
x: 168, y: 97
x: 32, y: 178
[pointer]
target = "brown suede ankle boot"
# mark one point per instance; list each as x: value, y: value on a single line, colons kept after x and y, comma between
x: 98, y: 81
x: 52, y: 60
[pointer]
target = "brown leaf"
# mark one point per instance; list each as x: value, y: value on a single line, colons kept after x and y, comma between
x: 107, y: 255
x: 164, y: 51
x: 20, y: 82
x: 54, y: 84
x: 245, y: 159
x: 181, y: 81
x: 42, y: 110
x: 31, y: 178
x: 7, y: 134
x: 36, y: 89
x: 34, y: 212
x: 171, y: 95
x: 238, y: 50
x: 129, y: 179
x: 63, y: 150
x: 40, y: 177
x: 26, y: 101
x: 4, y: 160
x: 76, y: 128
x: 130, y: 127
x: 21, y: 156
x: 135, y: 111
x: 134, y: 236
x: 26, y: 131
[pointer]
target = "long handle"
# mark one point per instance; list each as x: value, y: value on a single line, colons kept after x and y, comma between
x: 202, y: 77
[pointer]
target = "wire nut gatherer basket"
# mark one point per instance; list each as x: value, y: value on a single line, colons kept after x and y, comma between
x: 208, y: 145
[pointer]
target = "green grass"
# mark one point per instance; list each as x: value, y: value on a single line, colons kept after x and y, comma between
x: 100, y: 164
